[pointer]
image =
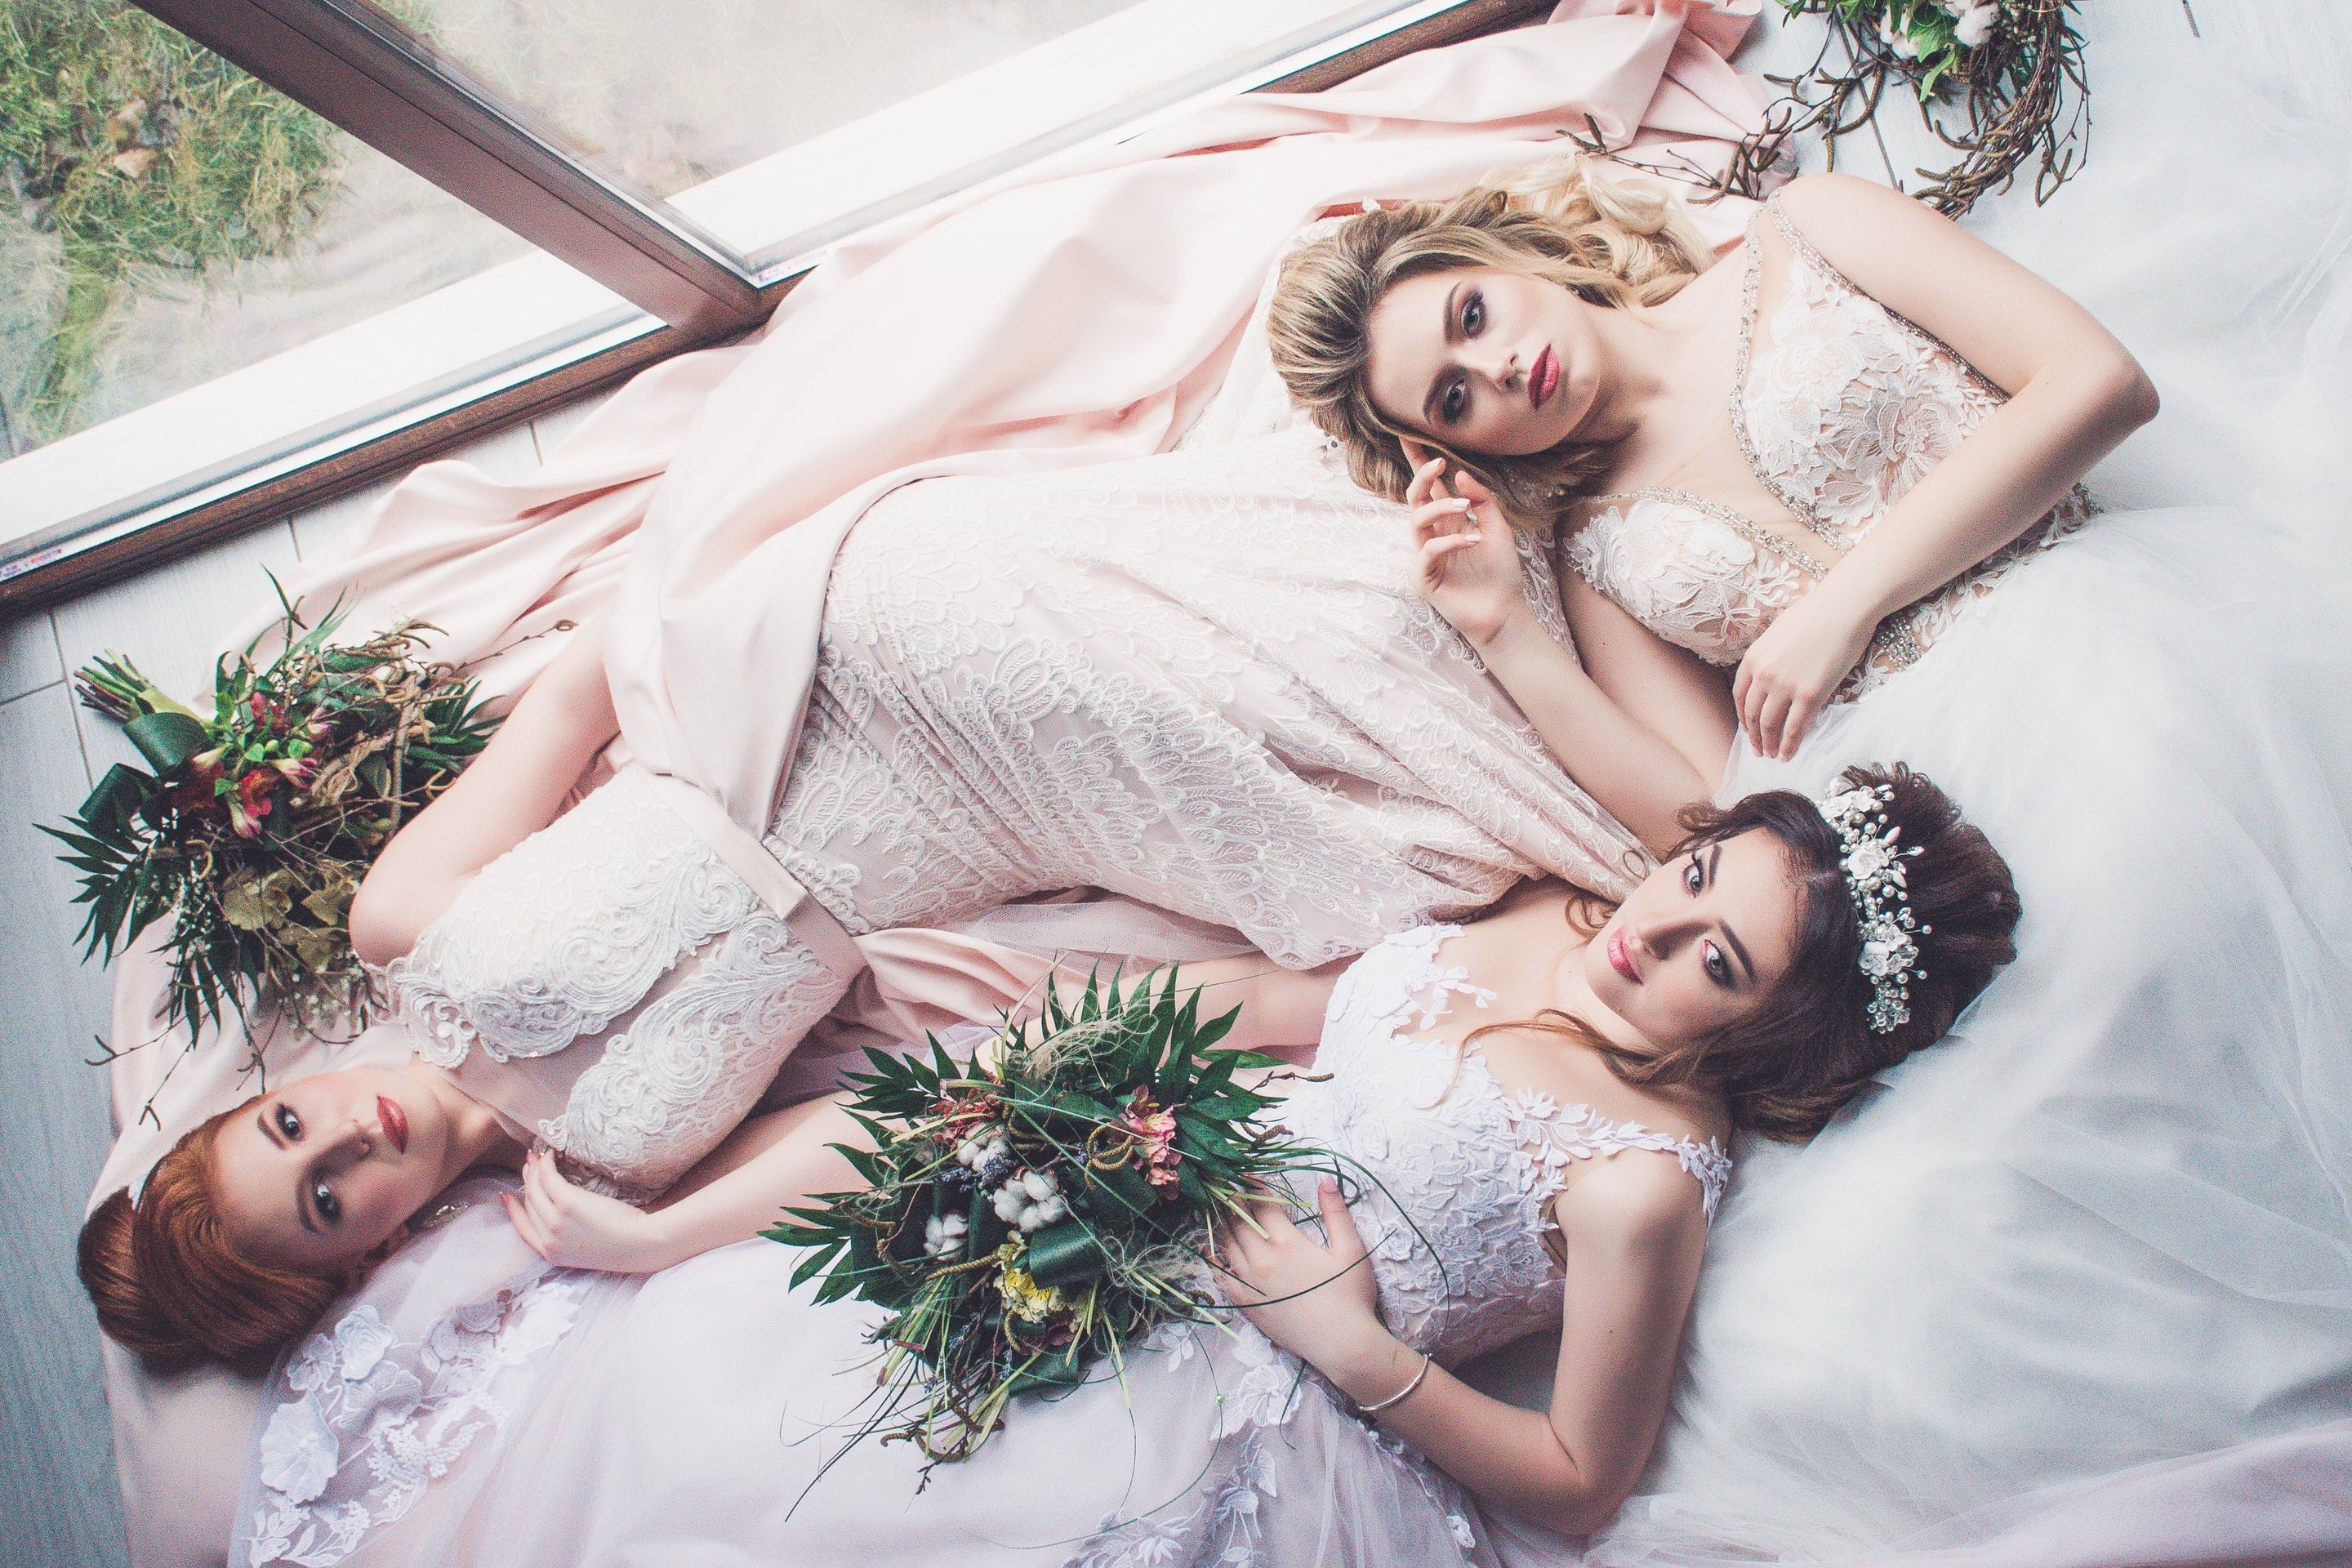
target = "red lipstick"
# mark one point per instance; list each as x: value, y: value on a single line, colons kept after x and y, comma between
x: 1621, y: 957
x: 1543, y: 378
x: 394, y: 1120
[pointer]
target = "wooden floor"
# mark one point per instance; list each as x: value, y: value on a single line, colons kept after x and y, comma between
x: 59, y: 1507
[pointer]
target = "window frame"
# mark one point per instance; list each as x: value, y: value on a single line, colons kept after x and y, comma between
x: 361, y: 72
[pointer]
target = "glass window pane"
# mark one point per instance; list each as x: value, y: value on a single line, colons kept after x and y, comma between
x: 771, y: 124
x: 205, y: 287
x: 666, y: 94
x: 170, y: 220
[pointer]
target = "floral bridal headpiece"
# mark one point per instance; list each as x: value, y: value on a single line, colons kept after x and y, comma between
x: 1882, y: 905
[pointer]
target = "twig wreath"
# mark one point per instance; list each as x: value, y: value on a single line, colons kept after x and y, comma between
x: 2000, y: 81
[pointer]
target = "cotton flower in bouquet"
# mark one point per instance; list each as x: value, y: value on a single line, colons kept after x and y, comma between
x: 1033, y: 1209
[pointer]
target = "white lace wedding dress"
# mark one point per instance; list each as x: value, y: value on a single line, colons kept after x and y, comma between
x: 692, y: 1420
x: 1201, y: 679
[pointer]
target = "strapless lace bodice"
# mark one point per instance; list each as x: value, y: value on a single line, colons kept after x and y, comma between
x: 1839, y: 412
x: 1467, y: 1168
x: 613, y: 986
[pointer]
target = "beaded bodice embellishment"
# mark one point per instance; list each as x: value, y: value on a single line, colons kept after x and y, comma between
x: 1844, y: 409
x: 1467, y: 1168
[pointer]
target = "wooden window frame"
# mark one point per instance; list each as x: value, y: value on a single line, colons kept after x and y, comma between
x: 352, y: 66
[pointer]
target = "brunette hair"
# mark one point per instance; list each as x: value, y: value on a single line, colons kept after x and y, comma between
x: 169, y: 1286
x: 1609, y: 241
x: 1786, y: 1068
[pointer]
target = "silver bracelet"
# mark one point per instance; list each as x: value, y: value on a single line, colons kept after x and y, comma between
x: 1402, y: 1395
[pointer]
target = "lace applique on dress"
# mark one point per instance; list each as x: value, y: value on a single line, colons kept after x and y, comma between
x: 1845, y: 409
x: 696, y: 1058
x: 1468, y: 1168
x: 1552, y: 1135
x: 1222, y: 1527
x: 1201, y: 679
x: 617, y: 931
x: 1686, y: 574
x: 389, y: 1417
x: 565, y: 932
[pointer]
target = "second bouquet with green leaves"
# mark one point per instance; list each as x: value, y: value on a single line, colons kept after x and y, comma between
x: 1032, y: 1210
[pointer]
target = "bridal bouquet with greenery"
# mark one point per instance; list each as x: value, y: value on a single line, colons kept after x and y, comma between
x: 1032, y: 1210
x: 253, y: 823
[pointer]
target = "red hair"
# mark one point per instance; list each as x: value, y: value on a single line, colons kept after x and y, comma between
x: 169, y: 1285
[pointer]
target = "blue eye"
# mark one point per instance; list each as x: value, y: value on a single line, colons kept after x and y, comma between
x: 1693, y: 877
x: 1473, y: 314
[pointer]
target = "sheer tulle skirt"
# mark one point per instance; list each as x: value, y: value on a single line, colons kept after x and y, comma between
x: 2109, y: 1221
x: 2105, y: 1223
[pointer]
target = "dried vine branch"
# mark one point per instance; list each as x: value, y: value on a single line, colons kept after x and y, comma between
x: 2018, y: 96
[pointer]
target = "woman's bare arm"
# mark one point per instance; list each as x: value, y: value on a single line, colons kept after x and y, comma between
x: 1634, y: 1231
x: 2075, y: 393
x: 1682, y: 699
x: 510, y: 792
x: 1641, y: 770
x: 1281, y: 1009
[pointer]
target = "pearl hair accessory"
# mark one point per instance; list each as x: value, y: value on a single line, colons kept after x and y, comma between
x: 1882, y: 905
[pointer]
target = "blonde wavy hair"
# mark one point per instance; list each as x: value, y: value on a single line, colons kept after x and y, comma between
x: 1608, y: 240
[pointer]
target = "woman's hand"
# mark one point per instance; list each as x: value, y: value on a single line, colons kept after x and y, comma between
x: 1320, y: 1303
x: 1468, y: 563
x: 574, y: 1228
x: 1793, y: 669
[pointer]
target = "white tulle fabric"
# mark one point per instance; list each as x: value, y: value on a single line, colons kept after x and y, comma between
x: 2103, y: 1225
x: 1842, y: 408
x: 705, y: 1408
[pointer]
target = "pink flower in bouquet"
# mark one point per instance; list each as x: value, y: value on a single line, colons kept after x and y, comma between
x: 1155, y: 1131
x: 251, y: 802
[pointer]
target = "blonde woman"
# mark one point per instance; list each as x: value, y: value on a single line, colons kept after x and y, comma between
x: 1562, y: 343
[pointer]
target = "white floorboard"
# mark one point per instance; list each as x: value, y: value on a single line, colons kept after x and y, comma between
x: 28, y: 655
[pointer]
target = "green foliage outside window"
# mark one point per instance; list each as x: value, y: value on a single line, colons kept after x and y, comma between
x: 128, y: 147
